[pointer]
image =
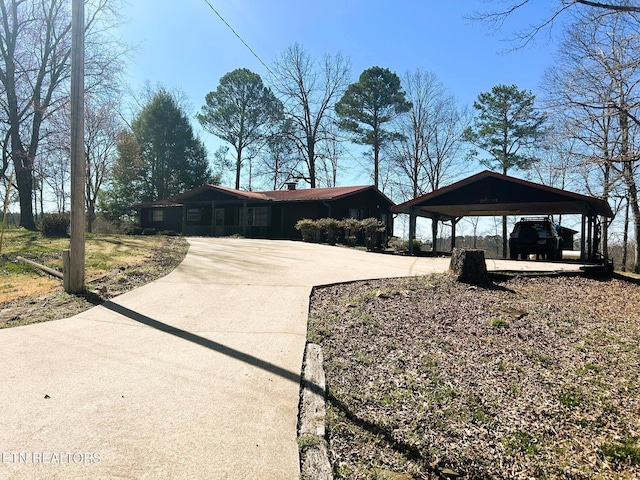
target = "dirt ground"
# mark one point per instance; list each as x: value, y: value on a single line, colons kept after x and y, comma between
x: 538, y: 377
x: 56, y: 304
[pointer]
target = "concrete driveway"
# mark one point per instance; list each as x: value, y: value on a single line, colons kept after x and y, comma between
x: 194, y: 376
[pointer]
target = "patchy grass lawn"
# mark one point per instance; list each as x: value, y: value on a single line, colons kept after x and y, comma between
x: 114, y: 264
x: 538, y: 378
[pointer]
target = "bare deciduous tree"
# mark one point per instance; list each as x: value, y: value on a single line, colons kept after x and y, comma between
x: 496, y: 19
x: 596, y: 86
x: 35, y: 46
x: 278, y: 160
x: 428, y: 154
x: 309, y: 91
x: 102, y: 132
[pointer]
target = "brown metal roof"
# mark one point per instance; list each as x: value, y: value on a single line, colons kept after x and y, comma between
x: 239, y: 194
x: 318, y: 194
x: 493, y: 194
x: 156, y: 204
x: 298, y: 195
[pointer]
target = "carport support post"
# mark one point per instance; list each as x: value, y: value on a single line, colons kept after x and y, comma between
x: 582, y: 238
x: 592, y: 252
x: 453, y: 234
x: 434, y: 233
x: 412, y: 228
x: 454, y: 223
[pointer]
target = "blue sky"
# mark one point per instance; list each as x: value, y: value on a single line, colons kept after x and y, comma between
x: 190, y: 48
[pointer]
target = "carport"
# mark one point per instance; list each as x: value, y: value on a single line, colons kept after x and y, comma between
x: 491, y: 194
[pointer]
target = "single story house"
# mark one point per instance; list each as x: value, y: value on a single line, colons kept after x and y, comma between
x: 212, y: 210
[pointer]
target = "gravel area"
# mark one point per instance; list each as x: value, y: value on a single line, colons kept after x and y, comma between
x: 537, y: 378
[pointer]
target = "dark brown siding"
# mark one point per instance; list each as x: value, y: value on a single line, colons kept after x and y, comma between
x: 367, y: 204
x: 283, y: 215
x: 172, y: 218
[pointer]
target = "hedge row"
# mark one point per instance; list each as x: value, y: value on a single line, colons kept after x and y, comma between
x: 55, y: 224
x: 370, y: 231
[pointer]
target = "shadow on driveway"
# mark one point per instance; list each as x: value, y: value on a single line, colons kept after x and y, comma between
x: 207, y: 343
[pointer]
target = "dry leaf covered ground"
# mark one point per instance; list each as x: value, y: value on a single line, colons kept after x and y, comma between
x: 537, y: 378
x: 41, y: 303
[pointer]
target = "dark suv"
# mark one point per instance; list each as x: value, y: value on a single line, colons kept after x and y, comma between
x: 535, y: 235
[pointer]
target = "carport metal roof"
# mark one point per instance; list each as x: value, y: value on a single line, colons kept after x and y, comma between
x: 493, y: 194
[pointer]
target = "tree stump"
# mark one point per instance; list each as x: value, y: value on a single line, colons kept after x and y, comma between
x: 469, y: 267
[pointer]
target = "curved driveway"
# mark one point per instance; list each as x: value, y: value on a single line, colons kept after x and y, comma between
x: 193, y: 376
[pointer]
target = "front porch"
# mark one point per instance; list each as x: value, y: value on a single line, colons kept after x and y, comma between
x: 217, y: 220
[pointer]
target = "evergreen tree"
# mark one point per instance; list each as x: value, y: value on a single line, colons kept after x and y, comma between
x: 240, y: 111
x: 507, y: 128
x: 375, y: 99
x: 160, y: 157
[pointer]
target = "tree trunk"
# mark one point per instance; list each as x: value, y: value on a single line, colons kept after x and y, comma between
x: 632, y: 190
x: 625, y: 237
x: 311, y: 152
x: 24, y: 183
x: 376, y: 163
x: 636, y: 221
x: 504, y: 222
x: 91, y: 215
x: 238, y: 166
x: 469, y: 266
x: 41, y: 189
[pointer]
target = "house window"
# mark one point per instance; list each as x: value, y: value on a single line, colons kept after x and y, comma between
x: 194, y: 214
x: 354, y: 213
x: 157, y: 215
x: 258, y: 217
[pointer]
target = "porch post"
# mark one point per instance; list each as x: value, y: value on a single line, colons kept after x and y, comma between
x: 213, y: 219
x: 244, y: 218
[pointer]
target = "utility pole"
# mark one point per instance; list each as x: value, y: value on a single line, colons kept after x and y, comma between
x: 74, y: 257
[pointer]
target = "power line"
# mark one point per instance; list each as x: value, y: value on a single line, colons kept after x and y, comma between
x: 239, y: 37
